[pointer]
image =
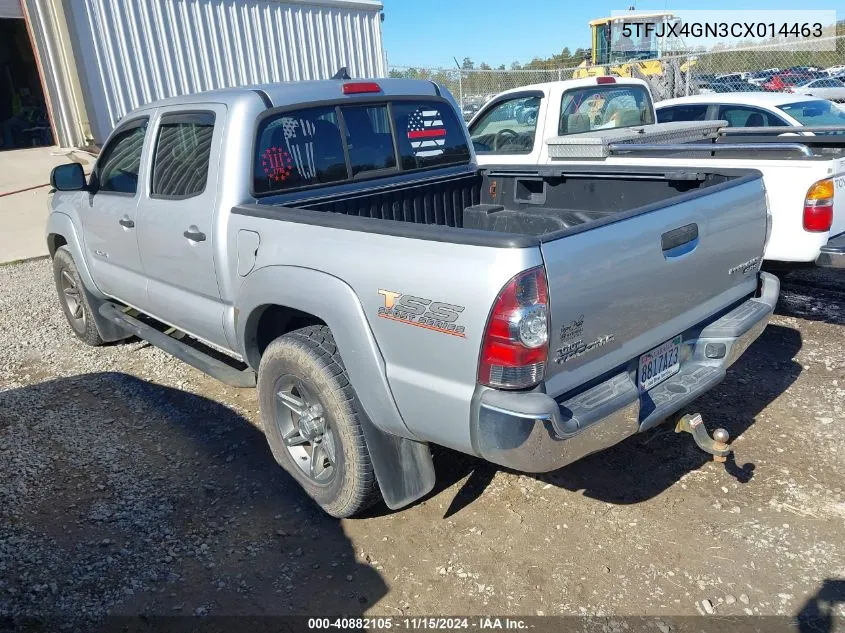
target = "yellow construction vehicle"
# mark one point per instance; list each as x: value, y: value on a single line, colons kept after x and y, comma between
x: 616, y: 50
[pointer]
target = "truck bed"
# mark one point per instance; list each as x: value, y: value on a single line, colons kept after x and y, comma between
x: 500, y: 205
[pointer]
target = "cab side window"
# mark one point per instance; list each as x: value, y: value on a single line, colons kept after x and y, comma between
x: 508, y: 127
x: 692, y: 112
x: 182, y: 154
x: 120, y: 161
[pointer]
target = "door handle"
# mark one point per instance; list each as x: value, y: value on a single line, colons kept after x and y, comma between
x: 126, y: 222
x: 194, y: 234
x: 679, y: 241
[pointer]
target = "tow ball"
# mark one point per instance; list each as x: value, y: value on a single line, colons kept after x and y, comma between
x: 717, y: 446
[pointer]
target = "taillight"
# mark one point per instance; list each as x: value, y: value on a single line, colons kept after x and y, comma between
x: 818, y: 206
x: 606, y: 79
x: 516, y: 341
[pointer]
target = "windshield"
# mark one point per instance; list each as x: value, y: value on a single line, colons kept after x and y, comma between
x: 817, y: 112
x: 604, y: 107
x: 637, y: 43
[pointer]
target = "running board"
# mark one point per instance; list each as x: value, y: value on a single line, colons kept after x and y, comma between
x: 195, y: 358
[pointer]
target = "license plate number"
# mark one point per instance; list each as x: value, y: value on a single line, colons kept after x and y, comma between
x: 659, y: 364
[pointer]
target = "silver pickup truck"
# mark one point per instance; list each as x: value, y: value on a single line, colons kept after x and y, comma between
x: 335, y: 243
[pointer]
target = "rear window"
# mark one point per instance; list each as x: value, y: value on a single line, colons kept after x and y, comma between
x: 604, y: 107
x: 337, y: 143
x: 368, y: 138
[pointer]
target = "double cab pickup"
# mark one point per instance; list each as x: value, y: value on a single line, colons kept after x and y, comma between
x: 335, y: 244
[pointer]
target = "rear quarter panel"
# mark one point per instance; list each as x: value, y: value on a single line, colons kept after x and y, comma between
x: 432, y: 374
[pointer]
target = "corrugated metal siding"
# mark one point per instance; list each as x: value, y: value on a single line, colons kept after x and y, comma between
x: 11, y: 9
x: 135, y: 51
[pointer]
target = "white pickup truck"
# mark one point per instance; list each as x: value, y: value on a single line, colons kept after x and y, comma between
x: 804, y: 175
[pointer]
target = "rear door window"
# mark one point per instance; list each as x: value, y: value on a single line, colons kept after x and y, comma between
x: 744, y: 116
x: 182, y: 155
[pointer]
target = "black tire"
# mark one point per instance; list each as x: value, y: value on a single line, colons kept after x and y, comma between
x: 73, y: 298
x: 305, y: 366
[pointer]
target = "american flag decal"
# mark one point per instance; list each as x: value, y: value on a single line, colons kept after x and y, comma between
x: 299, y: 138
x: 426, y: 132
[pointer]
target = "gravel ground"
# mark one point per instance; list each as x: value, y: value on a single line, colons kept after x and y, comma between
x: 131, y: 483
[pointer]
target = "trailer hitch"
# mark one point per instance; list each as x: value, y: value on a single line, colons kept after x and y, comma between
x: 717, y: 446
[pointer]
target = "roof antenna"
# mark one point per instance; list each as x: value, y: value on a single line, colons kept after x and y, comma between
x: 343, y: 73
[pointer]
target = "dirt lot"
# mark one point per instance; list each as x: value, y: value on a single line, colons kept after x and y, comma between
x: 131, y: 483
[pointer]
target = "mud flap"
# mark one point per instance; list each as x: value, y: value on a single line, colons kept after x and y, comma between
x: 404, y: 468
x: 108, y: 331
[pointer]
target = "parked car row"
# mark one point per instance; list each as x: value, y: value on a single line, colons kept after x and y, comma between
x: 828, y: 83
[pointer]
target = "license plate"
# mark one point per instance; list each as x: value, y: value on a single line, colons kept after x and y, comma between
x: 660, y: 363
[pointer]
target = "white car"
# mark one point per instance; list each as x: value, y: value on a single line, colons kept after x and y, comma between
x: 835, y: 70
x: 830, y: 88
x: 752, y: 109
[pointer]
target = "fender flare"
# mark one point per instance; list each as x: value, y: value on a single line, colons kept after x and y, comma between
x: 403, y: 466
x: 59, y: 223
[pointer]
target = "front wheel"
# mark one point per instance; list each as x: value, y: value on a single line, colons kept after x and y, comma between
x: 73, y: 299
x: 311, y: 418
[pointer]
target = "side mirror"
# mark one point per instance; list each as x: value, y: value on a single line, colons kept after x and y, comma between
x: 68, y: 178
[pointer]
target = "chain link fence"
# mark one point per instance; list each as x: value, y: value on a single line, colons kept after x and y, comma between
x: 775, y: 67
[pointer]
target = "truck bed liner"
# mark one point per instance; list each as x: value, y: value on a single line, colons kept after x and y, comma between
x: 499, y: 206
x: 440, y: 203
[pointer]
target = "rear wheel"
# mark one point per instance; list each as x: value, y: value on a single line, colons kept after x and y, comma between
x: 311, y: 418
x: 73, y: 299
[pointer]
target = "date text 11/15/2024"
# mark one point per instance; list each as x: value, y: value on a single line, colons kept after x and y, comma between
x: 388, y: 623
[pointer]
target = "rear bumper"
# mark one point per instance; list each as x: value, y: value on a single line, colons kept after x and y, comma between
x: 832, y: 254
x: 532, y: 432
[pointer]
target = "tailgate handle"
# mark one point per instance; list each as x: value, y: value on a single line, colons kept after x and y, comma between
x: 682, y: 236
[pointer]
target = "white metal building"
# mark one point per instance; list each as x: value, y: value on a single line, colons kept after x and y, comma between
x: 98, y: 59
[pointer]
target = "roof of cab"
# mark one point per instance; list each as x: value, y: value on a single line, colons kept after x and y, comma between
x: 295, y: 92
x: 567, y: 84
